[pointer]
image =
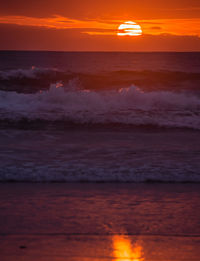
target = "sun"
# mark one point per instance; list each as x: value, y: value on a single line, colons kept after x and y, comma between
x: 129, y: 28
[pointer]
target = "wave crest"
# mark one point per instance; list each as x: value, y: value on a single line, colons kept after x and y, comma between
x: 35, y: 79
x: 126, y: 106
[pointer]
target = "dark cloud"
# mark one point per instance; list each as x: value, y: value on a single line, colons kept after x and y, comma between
x: 152, y: 23
x: 156, y: 28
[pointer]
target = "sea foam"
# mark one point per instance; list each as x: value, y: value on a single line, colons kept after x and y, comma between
x: 125, y: 106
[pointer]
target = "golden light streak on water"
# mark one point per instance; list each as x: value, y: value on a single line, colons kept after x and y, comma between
x: 124, y: 250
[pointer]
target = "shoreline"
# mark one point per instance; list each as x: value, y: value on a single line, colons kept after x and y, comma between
x: 89, y: 222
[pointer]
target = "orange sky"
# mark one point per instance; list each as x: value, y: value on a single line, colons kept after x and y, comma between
x: 92, y: 25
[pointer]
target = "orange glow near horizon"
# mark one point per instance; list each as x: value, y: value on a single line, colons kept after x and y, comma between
x: 125, y: 251
x: 109, y: 33
x: 129, y: 29
x: 179, y: 27
x: 134, y: 26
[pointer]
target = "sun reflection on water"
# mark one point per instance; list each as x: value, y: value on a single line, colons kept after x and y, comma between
x: 124, y: 250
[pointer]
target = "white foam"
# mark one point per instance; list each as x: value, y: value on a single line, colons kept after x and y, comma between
x: 78, y: 172
x: 127, y: 105
x: 21, y: 73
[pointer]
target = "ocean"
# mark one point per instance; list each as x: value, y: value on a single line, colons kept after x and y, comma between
x: 99, y: 117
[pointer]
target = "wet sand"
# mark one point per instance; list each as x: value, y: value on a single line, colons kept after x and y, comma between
x: 79, y: 222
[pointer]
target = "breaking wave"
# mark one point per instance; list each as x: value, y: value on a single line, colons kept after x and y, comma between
x: 35, y: 79
x: 133, y: 106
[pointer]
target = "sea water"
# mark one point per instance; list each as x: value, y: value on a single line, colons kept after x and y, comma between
x: 117, y: 117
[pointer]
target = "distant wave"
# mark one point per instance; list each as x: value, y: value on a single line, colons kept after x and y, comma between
x: 130, y: 105
x: 35, y: 79
x: 81, y: 173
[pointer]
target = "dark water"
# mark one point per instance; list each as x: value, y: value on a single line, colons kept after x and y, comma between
x: 96, y: 105
x: 101, y: 61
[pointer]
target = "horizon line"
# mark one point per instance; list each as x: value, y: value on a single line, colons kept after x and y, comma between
x: 79, y: 51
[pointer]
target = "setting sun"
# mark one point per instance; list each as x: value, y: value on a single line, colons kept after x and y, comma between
x: 129, y: 29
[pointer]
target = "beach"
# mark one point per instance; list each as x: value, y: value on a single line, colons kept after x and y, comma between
x: 99, y: 222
